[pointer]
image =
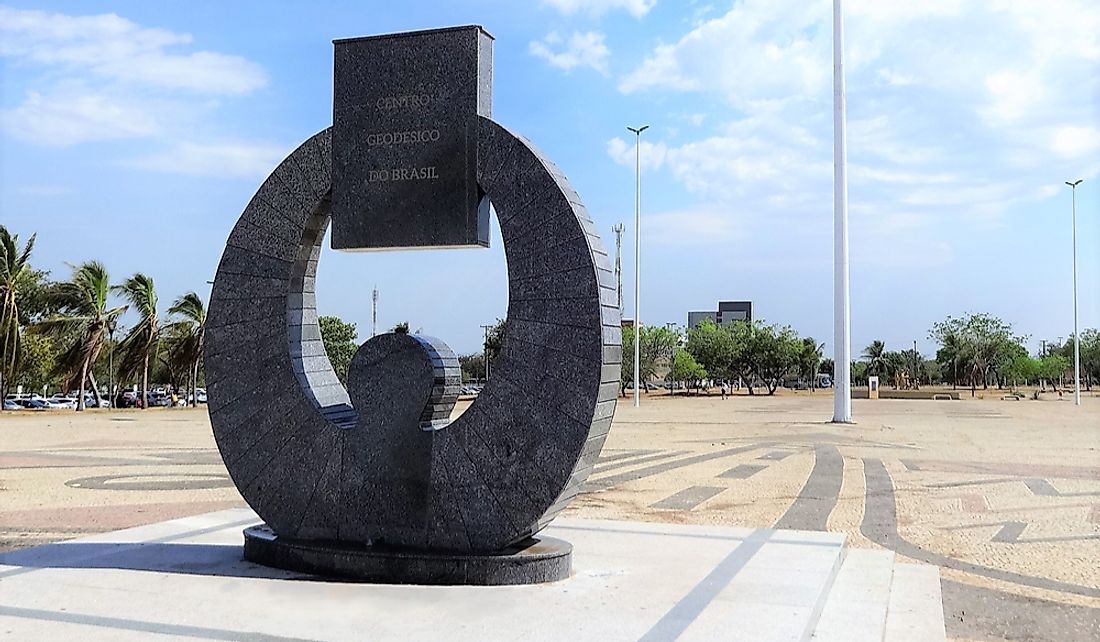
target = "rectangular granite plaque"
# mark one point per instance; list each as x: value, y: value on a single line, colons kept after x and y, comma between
x: 404, y: 140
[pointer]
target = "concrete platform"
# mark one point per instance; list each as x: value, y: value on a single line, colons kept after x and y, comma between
x: 631, y: 581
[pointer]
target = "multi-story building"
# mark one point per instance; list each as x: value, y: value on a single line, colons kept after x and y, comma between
x: 727, y: 312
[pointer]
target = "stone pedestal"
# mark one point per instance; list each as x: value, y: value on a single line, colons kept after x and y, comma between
x: 535, y: 560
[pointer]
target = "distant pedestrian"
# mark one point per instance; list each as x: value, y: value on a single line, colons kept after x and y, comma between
x: 725, y: 388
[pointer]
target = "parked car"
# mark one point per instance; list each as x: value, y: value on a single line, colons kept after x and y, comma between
x: 40, y: 403
x: 158, y: 400
x: 20, y: 399
x: 61, y: 401
x: 10, y: 404
x: 90, y: 402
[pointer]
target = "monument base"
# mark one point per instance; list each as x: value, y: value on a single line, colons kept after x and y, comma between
x: 536, y: 560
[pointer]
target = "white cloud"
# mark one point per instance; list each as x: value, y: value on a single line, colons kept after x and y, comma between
x: 954, y: 105
x: 579, y: 50
x: 102, y: 77
x: 1074, y: 142
x: 218, y: 160
x: 62, y: 119
x: 117, y: 49
x: 636, y: 8
x: 702, y: 225
x: 1012, y: 96
x: 759, y: 50
x: 895, y: 79
x: 651, y: 155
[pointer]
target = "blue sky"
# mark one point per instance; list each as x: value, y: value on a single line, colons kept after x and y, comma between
x: 135, y: 133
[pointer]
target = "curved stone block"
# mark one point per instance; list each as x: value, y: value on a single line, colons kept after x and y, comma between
x: 385, y: 464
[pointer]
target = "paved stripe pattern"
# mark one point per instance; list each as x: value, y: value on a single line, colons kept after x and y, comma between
x: 742, y: 471
x: 880, y: 525
x: 649, y: 471
x: 777, y: 455
x: 811, y: 510
x: 688, y: 498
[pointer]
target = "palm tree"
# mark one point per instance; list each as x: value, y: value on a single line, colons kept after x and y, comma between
x: 188, y: 335
x: 82, y: 323
x: 140, y: 345
x: 875, y: 355
x: 14, y: 263
x: 810, y: 359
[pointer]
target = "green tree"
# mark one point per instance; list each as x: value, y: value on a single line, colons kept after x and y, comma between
x: 875, y: 357
x: 494, y: 344
x: 1052, y: 367
x: 686, y: 369
x: 1090, y: 357
x: 657, y: 343
x: 79, y: 327
x: 949, y: 355
x: 37, y: 362
x: 773, y: 351
x: 14, y: 265
x: 978, y: 341
x: 746, y: 351
x: 473, y: 367
x: 626, y: 368
x: 711, y: 346
x: 340, y: 338
x: 173, y: 363
x: 139, y: 348
x: 1012, y: 365
x: 809, y: 360
x: 188, y: 335
x: 1021, y: 368
x: 933, y: 371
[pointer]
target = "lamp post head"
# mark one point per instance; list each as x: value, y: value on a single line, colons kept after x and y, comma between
x: 638, y: 131
x: 1075, y: 183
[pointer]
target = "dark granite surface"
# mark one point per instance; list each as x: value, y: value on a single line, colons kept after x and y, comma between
x: 404, y: 140
x: 383, y: 463
x: 533, y: 561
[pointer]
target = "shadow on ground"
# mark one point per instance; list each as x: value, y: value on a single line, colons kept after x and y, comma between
x: 161, y: 557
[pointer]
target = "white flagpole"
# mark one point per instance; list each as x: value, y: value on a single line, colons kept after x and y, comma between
x: 842, y: 328
x: 637, y: 257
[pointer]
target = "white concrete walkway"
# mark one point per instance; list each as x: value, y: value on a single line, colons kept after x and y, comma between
x: 631, y: 581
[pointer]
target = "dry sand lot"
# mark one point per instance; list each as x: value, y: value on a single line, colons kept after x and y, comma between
x: 1003, y: 496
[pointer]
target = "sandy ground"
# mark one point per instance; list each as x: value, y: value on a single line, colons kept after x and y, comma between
x: 1003, y: 496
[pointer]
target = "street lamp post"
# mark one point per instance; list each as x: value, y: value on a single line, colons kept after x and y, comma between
x: 637, y: 254
x: 485, y: 352
x: 842, y: 328
x: 618, y: 230
x: 672, y: 358
x: 1076, y: 333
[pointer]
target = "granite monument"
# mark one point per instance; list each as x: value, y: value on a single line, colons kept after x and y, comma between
x: 375, y: 481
